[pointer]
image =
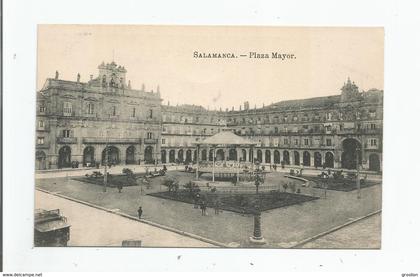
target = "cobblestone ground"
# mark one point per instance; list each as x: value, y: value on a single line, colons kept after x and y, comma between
x: 281, y: 227
x: 359, y: 235
x: 94, y: 227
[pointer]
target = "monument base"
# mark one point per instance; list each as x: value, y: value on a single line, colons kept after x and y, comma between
x: 258, y: 241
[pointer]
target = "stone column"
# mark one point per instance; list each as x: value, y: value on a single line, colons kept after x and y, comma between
x: 122, y: 150
x: 312, y: 159
x: 263, y: 156
x: 198, y: 161
x: 257, y: 237
x: 291, y: 157
x: 237, y: 160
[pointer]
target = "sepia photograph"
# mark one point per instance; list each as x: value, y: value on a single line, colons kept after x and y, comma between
x: 209, y: 136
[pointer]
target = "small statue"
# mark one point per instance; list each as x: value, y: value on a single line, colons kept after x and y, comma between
x: 56, y: 74
x: 78, y: 77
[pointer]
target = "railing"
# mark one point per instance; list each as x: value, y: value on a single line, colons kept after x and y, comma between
x: 150, y: 141
x: 246, y: 188
x: 111, y: 140
x: 42, y: 146
x: 62, y: 140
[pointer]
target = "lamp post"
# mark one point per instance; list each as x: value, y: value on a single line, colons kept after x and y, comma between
x: 106, y: 163
x: 257, y: 237
x: 359, y: 193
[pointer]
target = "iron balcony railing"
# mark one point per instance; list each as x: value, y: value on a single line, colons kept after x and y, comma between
x: 150, y: 141
x: 111, y: 140
x: 62, y: 140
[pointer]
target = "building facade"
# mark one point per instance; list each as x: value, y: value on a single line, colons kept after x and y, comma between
x: 78, y: 122
x: 87, y: 123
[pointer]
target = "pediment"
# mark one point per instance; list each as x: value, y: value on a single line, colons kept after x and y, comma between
x: 91, y: 99
x: 68, y: 96
x: 113, y: 101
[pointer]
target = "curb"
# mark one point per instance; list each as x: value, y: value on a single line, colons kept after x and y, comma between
x: 297, y: 178
x: 305, y: 241
x: 203, y: 239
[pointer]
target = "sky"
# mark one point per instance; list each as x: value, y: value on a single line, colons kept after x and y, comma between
x: 163, y: 55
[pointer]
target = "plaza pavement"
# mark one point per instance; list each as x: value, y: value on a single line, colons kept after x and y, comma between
x: 73, y: 172
x: 362, y: 234
x: 282, y: 227
x: 94, y: 227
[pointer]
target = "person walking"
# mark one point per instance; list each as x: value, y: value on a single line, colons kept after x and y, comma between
x: 120, y: 187
x: 140, y: 212
x: 216, y: 207
x: 204, y: 208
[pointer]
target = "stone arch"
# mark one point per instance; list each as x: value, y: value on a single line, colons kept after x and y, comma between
x: 64, y: 157
x: 243, y: 157
x: 286, y: 157
x: 267, y: 156
x: 204, y: 155
x: 374, y: 162
x: 351, y: 150
x: 296, y: 157
x: 172, y: 156
x: 40, y: 160
x: 113, y: 154
x: 329, y: 160
x: 317, y: 159
x: 130, y: 155
x: 163, y: 156
x: 276, y: 157
x: 259, y: 155
x: 233, y: 155
x: 180, y: 155
x: 306, y: 158
x: 188, y: 156
x: 88, y: 155
x: 220, y: 155
x: 148, y: 155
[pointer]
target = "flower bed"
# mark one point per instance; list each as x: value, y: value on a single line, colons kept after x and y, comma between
x: 244, y: 203
x: 343, y: 184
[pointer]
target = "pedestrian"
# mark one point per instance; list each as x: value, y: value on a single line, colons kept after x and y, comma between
x: 204, y: 208
x: 216, y: 207
x: 140, y: 212
x: 120, y: 187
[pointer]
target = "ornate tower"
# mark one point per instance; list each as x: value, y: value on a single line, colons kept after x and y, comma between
x: 349, y: 91
x: 111, y: 75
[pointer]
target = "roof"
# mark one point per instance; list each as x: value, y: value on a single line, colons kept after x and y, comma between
x: 226, y: 137
x: 51, y: 225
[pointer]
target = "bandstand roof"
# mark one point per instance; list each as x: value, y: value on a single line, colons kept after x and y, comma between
x: 226, y: 137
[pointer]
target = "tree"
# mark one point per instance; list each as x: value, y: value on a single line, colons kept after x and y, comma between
x: 192, y: 188
x: 130, y: 175
x: 171, y: 184
x: 293, y: 187
x: 258, y: 182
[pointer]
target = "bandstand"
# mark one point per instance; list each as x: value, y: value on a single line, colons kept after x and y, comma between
x: 224, y: 148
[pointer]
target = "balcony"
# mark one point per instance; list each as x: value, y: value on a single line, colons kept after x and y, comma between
x: 150, y: 141
x: 111, y: 140
x: 62, y: 140
x: 42, y: 146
